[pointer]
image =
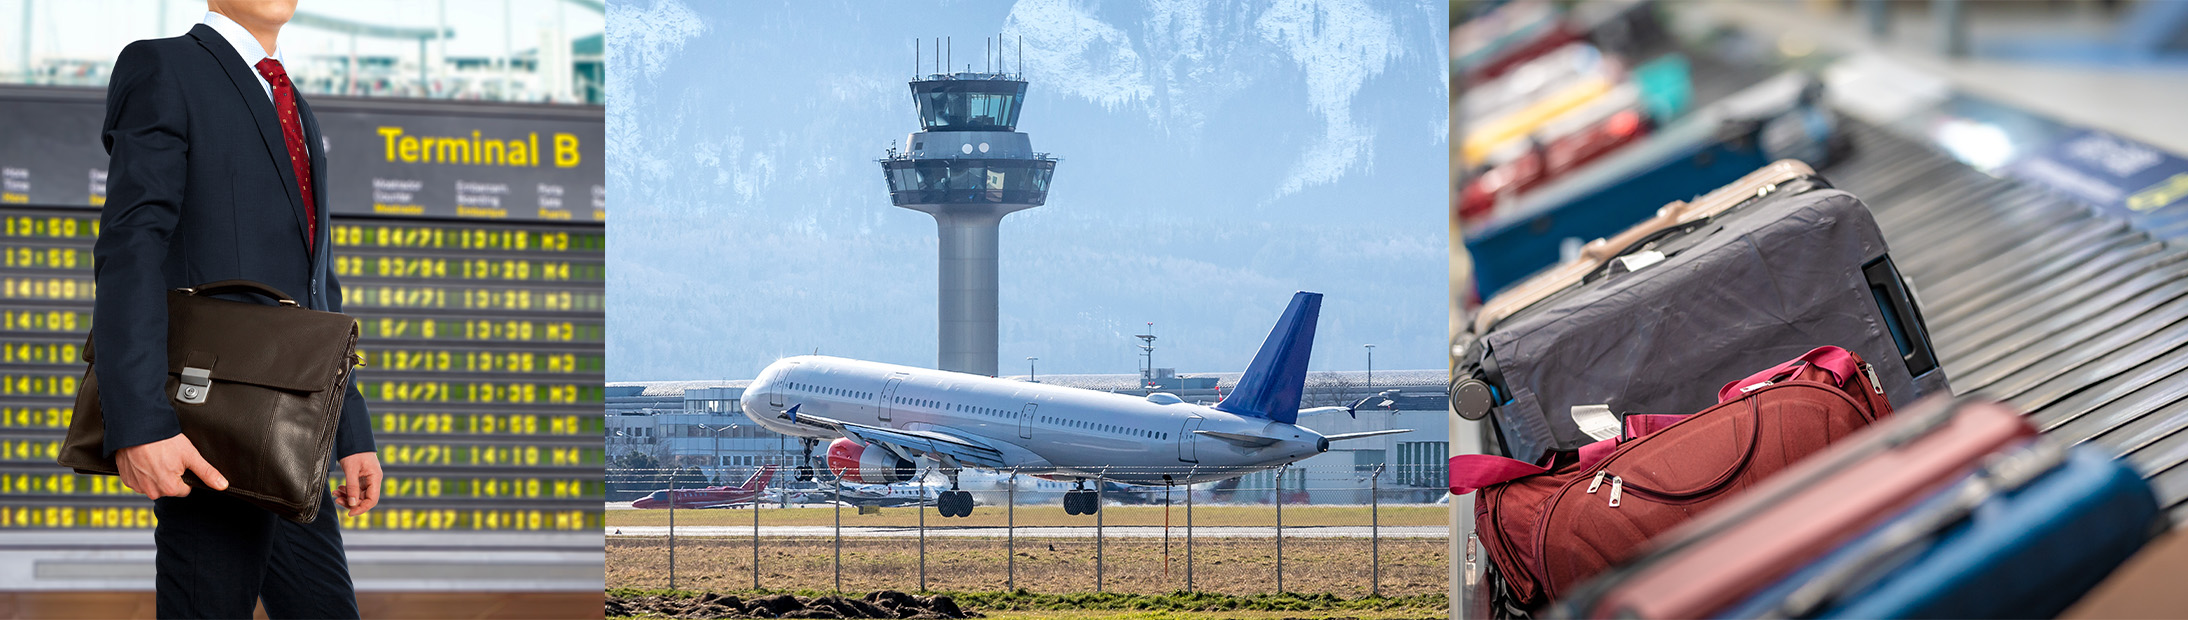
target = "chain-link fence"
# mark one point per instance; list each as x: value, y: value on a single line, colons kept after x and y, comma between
x: 1351, y: 531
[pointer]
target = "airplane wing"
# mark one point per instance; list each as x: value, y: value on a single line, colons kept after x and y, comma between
x: 909, y: 444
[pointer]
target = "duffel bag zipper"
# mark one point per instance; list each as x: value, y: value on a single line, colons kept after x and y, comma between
x: 1871, y: 373
x: 1618, y: 486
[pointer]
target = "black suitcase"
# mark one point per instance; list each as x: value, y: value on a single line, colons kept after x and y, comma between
x: 1654, y: 320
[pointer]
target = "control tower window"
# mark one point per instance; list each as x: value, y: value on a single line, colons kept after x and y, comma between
x: 968, y: 105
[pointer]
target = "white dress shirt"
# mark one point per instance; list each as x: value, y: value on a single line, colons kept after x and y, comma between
x: 247, y: 46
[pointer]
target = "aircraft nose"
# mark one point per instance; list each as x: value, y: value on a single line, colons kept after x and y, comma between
x: 755, y: 393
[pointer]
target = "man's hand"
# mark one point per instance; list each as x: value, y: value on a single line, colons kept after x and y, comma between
x: 360, y: 489
x: 155, y: 469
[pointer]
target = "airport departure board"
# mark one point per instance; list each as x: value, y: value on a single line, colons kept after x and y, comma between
x: 482, y: 340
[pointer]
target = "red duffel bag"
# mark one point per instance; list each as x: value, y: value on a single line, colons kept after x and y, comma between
x: 1548, y: 528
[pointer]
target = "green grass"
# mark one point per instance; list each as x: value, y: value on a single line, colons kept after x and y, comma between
x: 1181, y: 605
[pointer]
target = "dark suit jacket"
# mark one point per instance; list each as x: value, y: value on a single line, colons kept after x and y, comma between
x: 199, y: 189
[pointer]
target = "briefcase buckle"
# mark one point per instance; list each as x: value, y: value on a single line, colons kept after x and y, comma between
x: 196, y: 384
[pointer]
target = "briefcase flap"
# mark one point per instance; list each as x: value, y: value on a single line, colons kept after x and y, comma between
x: 281, y: 347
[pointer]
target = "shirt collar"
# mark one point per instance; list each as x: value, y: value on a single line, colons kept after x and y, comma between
x: 240, y: 38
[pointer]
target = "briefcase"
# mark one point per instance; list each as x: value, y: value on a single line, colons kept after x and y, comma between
x: 257, y: 388
x: 1750, y: 274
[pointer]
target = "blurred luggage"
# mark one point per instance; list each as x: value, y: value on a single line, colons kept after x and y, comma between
x: 2147, y: 586
x: 1545, y: 529
x: 1949, y: 510
x: 1686, y: 155
x: 1756, y: 272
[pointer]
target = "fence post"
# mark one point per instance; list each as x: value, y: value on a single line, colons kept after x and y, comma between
x: 1189, y: 530
x: 672, y: 529
x: 1010, y: 529
x: 923, y: 533
x: 1098, y: 540
x: 839, y: 534
x: 1375, y: 528
x: 1280, y: 527
x: 757, y: 495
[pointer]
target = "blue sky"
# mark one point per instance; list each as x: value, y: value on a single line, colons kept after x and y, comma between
x: 1216, y: 157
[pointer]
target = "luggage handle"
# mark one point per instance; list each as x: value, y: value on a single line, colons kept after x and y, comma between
x: 1902, y: 319
x: 1842, y: 364
x: 242, y: 286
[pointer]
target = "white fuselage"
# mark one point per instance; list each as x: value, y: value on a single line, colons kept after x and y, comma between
x: 1045, y: 429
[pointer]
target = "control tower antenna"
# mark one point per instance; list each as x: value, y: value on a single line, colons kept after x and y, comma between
x: 1147, y: 350
x: 968, y: 166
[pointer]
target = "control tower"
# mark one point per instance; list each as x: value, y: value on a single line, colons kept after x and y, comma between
x: 968, y: 166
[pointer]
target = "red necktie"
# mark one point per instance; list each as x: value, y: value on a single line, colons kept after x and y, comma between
x: 292, y: 132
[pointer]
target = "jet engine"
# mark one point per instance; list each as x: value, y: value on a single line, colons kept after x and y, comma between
x: 865, y: 464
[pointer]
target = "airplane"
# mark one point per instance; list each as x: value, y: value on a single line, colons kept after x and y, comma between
x: 710, y: 497
x: 881, y: 418
x: 884, y: 495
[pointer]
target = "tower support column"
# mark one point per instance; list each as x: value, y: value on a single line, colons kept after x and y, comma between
x: 967, y: 279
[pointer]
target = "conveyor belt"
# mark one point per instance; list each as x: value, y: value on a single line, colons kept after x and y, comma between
x: 2060, y: 309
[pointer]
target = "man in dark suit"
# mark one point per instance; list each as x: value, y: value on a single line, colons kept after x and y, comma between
x: 216, y: 173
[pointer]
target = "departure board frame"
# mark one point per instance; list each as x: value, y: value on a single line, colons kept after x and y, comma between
x: 482, y: 327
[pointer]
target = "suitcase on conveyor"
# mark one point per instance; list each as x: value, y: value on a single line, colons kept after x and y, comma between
x: 1548, y: 530
x: 1953, y: 510
x: 1725, y: 557
x: 1756, y: 272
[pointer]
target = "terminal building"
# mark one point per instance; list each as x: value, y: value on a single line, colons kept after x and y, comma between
x: 702, y: 425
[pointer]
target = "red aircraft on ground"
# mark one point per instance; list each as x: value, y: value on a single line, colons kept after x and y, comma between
x: 710, y: 497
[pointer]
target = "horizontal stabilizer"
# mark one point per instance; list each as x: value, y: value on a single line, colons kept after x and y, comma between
x: 1365, y: 434
x: 1250, y: 441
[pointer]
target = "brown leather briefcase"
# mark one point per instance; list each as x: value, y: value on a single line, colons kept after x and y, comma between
x: 257, y: 388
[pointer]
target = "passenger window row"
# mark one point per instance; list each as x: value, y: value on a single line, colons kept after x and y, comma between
x: 818, y: 389
x: 1107, y: 428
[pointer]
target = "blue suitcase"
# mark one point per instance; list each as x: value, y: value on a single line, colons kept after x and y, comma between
x: 2025, y: 536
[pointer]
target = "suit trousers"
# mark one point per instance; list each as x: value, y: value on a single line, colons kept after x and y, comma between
x: 219, y: 555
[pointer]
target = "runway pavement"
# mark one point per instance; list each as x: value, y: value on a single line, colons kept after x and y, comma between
x: 792, y: 531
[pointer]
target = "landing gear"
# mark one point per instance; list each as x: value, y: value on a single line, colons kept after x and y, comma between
x: 1080, y: 501
x: 805, y: 466
x: 954, y: 503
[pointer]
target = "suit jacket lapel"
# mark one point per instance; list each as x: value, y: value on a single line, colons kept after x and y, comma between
x: 262, y: 110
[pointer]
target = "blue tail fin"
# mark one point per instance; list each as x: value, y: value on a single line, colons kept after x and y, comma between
x: 1272, y: 384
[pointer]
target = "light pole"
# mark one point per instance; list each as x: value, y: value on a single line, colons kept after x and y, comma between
x: 1371, y: 368
x: 1030, y: 377
x: 716, y: 431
